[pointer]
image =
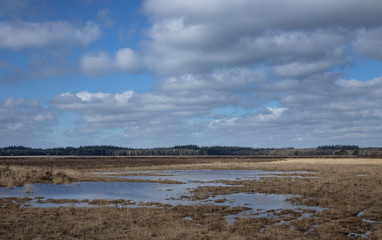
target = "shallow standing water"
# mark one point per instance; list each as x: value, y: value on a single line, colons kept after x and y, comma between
x: 207, y: 175
x: 145, y: 192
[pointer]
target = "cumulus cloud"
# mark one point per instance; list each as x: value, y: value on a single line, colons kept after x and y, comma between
x: 23, y: 120
x: 356, y: 84
x: 285, y: 14
x: 123, y: 60
x: 169, y: 53
x: 19, y: 35
x: 298, y: 69
x: 368, y: 42
x: 343, y: 110
x: 127, y: 60
x: 45, y: 44
x: 315, y: 110
x: 255, y: 73
x: 97, y: 64
x: 200, y: 36
x: 173, y: 100
x: 92, y: 102
x: 301, y: 37
x: 369, y: 89
x: 235, y: 79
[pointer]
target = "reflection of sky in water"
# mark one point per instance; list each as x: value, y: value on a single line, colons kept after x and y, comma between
x: 134, y: 191
x: 163, y: 193
x: 207, y: 175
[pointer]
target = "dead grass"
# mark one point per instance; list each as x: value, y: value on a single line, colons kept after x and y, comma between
x: 343, y: 187
x: 11, y: 176
x: 129, y: 223
x: 335, y: 161
x: 112, y: 164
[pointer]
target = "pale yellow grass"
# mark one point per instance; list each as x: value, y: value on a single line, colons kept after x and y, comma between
x: 359, y: 165
x: 215, y: 165
x: 342, y: 187
x: 297, y: 163
x: 347, y: 161
x: 20, y: 175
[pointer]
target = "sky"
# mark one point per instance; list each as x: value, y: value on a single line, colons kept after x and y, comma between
x: 158, y: 73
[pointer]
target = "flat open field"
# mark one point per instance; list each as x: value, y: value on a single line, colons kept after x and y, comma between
x: 335, y: 198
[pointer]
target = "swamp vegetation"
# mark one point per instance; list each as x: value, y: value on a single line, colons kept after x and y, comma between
x: 347, y: 190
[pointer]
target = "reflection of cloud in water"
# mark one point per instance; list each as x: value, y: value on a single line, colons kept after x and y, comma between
x: 141, y: 192
x: 206, y: 175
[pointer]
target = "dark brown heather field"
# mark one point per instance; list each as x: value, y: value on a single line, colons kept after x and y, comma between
x: 348, y: 190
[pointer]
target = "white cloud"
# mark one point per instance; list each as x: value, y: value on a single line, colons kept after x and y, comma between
x: 24, y: 121
x: 97, y: 64
x: 127, y: 60
x: 301, y: 37
x: 226, y: 72
x: 87, y: 102
x: 178, y: 46
x: 319, y: 109
x: 235, y: 79
x: 298, y: 69
x: 354, y: 83
x: 124, y: 60
x: 56, y: 39
x: 176, y: 52
x: 174, y: 101
x: 19, y: 35
x: 200, y: 36
x: 368, y: 42
x: 284, y: 14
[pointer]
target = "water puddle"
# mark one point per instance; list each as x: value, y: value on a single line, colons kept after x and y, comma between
x: 157, y: 194
x: 362, y: 175
x: 362, y: 235
x: 360, y: 214
x: 137, y: 192
x: 265, y: 206
x: 206, y: 175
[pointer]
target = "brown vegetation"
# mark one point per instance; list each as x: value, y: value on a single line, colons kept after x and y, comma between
x: 116, y: 223
x: 348, y: 190
x: 17, y: 171
x: 11, y: 176
x: 123, y: 163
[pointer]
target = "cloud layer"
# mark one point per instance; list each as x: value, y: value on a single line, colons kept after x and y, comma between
x: 260, y: 73
x: 300, y: 37
x: 124, y: 60
x: 19, y: 35
x: 23, y: 120
x: 322, y: 108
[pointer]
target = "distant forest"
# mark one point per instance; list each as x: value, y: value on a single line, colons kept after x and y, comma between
x: 188, y: 150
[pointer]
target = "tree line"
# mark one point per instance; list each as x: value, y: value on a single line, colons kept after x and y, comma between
x: 188, y: 150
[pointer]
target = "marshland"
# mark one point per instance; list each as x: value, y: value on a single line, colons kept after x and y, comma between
x: 204, y: 197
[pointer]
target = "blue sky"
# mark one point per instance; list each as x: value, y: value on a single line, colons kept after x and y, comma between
x: 155, y: 73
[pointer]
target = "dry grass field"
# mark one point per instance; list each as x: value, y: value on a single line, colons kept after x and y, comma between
x: 349, y: 191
